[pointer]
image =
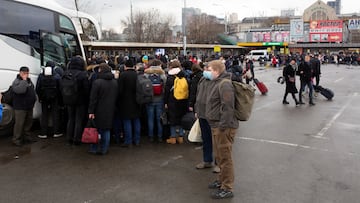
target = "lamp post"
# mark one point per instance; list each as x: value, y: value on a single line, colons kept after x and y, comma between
x: 184, y: 28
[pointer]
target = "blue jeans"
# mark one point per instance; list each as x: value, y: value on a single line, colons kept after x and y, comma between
x: 154, y: 111
x: 302, y: 88
x: 128, y: 130
x: 104, y: 142
x: 174, y: 130
x: 207, y: 140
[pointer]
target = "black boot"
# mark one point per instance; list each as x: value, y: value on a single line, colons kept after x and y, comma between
x: 285, y: 102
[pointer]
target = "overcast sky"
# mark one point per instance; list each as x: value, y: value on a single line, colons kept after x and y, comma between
x: 111, y: 12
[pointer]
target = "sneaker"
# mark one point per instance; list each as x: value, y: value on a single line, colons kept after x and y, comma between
x: 57, y: 135
x: 216, y: 169
x: 222, y: 194
x: 214, y: 185
x: 203, y: 165
x: 42, y: 136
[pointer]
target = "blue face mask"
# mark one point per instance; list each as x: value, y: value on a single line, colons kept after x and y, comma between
x: 207, y: 75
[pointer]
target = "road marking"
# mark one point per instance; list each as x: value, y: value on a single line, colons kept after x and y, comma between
x: 322, y: 132
x: 293, y: 145
x: 338, y: 80
x: 264, y: 106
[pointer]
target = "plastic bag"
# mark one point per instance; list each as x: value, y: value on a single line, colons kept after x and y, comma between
x: 195, y: 132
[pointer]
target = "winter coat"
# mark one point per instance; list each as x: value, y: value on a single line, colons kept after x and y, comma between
x: 83, y: 85
x: 24, y: 96
x: 195, y: 78
x: 221, y: 104
x: 157, y: 70
x: 305, y: 71
x: 103, y: 100
x: 202, y: 93
x: 315, y: 64
x: 40, y: 84
x: 127, y: 105
x: 236, y: 73
x: 176, y: 108
x: 289, y: 72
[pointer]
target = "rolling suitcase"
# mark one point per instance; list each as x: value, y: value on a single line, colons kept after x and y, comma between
x: 326, y: 92
x: 261, y: 86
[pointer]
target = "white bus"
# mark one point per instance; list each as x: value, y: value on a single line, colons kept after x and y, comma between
x: 33, y: 32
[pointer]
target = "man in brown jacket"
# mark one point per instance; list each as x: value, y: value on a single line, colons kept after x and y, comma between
x: 220, y: 114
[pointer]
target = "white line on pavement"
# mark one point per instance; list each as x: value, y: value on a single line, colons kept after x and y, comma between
x: 292, y: 145
x: 322, y: 132
x: 338, y: 80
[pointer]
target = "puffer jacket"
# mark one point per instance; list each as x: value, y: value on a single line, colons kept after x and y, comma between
x: 221, y: 104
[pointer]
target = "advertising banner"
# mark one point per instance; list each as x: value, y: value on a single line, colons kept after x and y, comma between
x: 326, y: 31
x: 261, y: 37
x: 280, y: 36
x: 296, y: 30
x: 354, y: 24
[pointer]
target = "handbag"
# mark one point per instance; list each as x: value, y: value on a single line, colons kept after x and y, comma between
x: 291, y: 79
x: 90, y: 134
x: 195, y: 132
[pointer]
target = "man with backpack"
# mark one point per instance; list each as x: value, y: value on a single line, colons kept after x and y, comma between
x: 155, y: 108
x: 75, y: 90
x: 220, y: 113
x: 48, y: 91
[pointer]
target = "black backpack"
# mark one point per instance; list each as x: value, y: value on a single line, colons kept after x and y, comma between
x: 48, y: 88
x: 69, y: 88
x: 144, y: 90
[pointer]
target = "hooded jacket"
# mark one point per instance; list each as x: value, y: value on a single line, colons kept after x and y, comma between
x: 157, y: 70
x: 221, y: 104
x: 103, y: 99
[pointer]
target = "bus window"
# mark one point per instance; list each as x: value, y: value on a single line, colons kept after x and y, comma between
x: 52, y: 48
x: 66, y: 23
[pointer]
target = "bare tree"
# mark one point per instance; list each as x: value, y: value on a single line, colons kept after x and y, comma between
x: 148, y: 26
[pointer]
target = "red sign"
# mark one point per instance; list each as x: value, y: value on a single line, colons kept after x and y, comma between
x: 326, y: 31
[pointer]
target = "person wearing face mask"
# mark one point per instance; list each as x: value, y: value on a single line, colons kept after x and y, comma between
x: 220, y: 110
x: 203, y: 87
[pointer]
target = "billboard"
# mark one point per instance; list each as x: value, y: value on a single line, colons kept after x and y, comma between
x: 354, y: 24
x: 326, y: 31
x: 261, y: 37
x: 296, y: 30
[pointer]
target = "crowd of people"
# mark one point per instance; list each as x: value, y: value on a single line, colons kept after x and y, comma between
x: 128, y: 97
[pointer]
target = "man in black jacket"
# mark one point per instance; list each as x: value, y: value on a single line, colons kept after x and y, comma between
x: 306, y: 73
x: 24, y: 98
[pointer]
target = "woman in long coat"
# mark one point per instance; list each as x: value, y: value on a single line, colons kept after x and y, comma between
x: 289, y: 77
x: 102, y: 106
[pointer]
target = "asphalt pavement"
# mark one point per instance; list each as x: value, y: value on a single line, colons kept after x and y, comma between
x: 282, y: 154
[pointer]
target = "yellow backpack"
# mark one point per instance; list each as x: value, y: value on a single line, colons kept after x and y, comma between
x: 181, y: 88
